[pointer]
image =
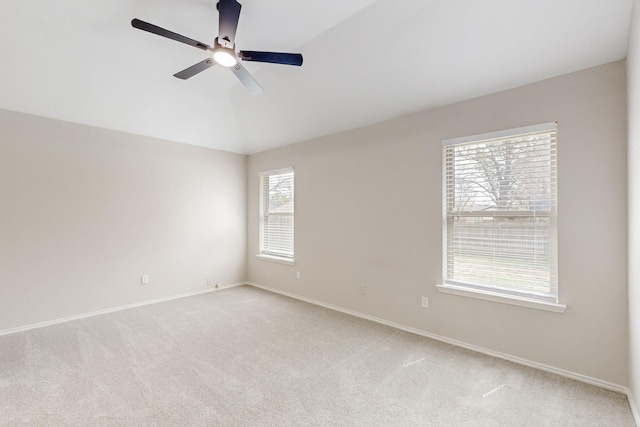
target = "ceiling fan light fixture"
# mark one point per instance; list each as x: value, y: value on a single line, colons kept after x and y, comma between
x: 225, y: 57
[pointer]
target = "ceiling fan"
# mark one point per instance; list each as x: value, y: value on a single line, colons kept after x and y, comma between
x: 223, y: 48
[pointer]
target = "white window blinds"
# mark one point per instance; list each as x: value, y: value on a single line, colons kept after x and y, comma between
x: 500, y: 209
x: 277, y: 209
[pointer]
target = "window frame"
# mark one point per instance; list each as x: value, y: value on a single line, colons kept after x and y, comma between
x: 549, y: 302
x: 262, y: 253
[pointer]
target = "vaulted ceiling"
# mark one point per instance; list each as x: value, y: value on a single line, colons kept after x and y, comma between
x: 364, y: 61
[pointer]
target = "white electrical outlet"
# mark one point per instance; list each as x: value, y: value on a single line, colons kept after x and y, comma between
x: 208, y: 282
x: 144, y: 279
x: 363, y: 289
x: 298, y: 275
x: 425, y: 302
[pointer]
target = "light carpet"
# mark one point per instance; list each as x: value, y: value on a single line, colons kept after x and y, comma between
x: 248, y: 357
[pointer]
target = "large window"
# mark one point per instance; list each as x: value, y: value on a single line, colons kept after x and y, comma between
x: 500, y: 205
x: 276, y: 214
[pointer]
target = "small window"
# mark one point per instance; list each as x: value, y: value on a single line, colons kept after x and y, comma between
x: 499, y: 222
x: 277, y: 214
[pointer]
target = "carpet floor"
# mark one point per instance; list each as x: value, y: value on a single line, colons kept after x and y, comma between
x: 246, y: 357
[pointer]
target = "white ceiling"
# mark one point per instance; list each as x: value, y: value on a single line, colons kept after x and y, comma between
x: 364, y: 61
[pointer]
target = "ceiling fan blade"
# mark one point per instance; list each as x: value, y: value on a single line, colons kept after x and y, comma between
x: 229, y: 11
x: 272, y: 57
x: 195, y: 69
x: 145, y: 26
x: 247, y: 79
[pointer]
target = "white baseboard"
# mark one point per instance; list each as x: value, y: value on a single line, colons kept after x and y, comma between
x: 567, y: 374
x: 113, y: 309
x: 634, y: 408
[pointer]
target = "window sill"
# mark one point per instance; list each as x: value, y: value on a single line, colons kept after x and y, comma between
x: 281, y: 260
x: 501, y: 298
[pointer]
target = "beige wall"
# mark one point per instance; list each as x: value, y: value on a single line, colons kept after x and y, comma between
x: 368, y: 211
x: 84, y: 212
x: 633, y: 75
